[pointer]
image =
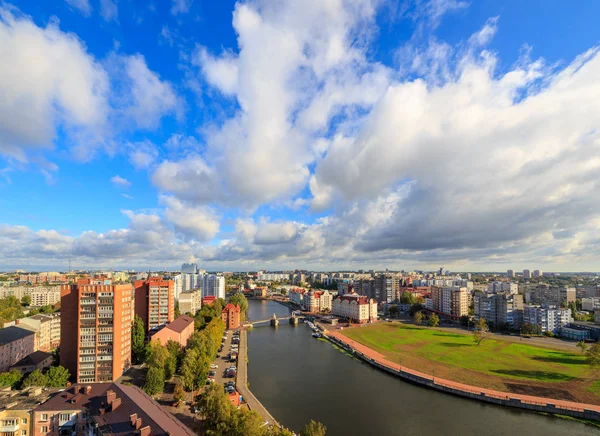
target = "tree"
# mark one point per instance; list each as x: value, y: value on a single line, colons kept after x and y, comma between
x: 57, y: 377
x: 179, y: 392
x: 481, y: 331
x: 10, y: 309
x: 177, y: 312
x: 176, y: 351
x: 11, y: 378
x: 583, y: 346
x: 313, y: 428
x: 155, y: 380
x: 26, y: 300
x: 215, y: 406
x: 464, y: 320
x: 194, y: 369
x: 241, y: 301
x: 138, y: 337
x: 528, y: 329
x: 418, y: 318
x: 417, y: 307
x: 593, y: 355
x: 393, y: 310
x: 35, y: 378
x: 408, y: 298
x: 434, y: 320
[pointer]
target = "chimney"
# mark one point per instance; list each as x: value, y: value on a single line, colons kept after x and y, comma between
x: 132, y: 419
x: 145, y: 431
x: 17, y: 321
x: 88, y: 389
x: 110, y: 396
x: 115, y: 403
x: 138, y: 423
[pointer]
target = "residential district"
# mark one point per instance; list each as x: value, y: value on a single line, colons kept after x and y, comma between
x: 91, y: 352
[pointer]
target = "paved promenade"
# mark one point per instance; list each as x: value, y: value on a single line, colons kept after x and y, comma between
x: 436, y: 381
x: 242, y: 382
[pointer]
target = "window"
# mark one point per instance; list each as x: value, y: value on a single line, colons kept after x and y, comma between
x: 44, y: 428
x: 44, y: 418
x: 65, y: 416
x: 23, y: 432
x: 24, y: 421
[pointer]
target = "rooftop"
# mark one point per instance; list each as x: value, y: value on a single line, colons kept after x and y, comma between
x: 231, y: 307
x: 13, y: 333
x: 180, y: 324
x: 33, y: 359
x: 117, y: 409
x: 26, y: 399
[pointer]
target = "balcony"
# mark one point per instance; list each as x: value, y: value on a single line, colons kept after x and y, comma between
x: 9, y: 428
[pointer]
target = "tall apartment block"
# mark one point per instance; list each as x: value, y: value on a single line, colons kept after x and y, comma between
x: 96, y: 330
x: 155, y: 301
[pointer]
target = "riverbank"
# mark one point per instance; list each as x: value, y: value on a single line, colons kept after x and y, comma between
x: 538, y: 404
x: 242, y: 382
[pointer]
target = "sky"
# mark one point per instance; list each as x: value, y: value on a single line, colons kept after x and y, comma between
x: 300, y: 134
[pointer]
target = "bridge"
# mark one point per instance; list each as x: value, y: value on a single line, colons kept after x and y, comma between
x: 274, y: 320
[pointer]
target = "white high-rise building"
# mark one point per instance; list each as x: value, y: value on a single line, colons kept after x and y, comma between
x: 547, y: 319
x: 189, y: 268
x: 538, y: 273
x: 213, y: 285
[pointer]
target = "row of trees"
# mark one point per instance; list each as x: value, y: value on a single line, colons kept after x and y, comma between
x: 221, y: 417
x: 55, y: 377
x: 432, y: 321
x: 202, y: 348
x: 163, y: 362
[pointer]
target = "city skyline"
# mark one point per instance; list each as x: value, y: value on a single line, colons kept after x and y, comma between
x: 303, y: 134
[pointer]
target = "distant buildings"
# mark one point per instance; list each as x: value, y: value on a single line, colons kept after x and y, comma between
x: 40, y: 295
x: 47, y: 328
x: 385, y: 288
x: 15, y: 344
x: 231, y: 316
x: 210, y: 284
x: 511, y: 273
x: 272, y: 277
x: 190, y: 301
x: 317, y: 301
x: 296, y: 296
x: 357, y: 308
x: 543, y: 294
x: 590, y: 304
x: 179, y: 331
x: 106, y: 409
x: 499, y: 308
x: 526, y: 274
x: 155, y: 301
x: 513, y: 288
x: 547, y: 319
x: 537, y: 273
x: 96, y: 330
x: 452, y: 301
x: 189, y: 268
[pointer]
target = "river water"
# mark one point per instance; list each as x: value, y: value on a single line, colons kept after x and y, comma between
x: 299, y: 378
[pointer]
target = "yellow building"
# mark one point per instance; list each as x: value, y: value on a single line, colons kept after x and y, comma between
x: 16, y: 411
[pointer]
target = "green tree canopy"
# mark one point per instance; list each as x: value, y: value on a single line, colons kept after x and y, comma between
x: 10, y: 309
x: 408, y: 298
x: 11, y: 378
x: 57, y: 377
x: 593, y: 355
x: 194, y: 369
x: 155, y: 380
x: 434, y: 320
x: 481, y: 331
x: 26, y: 300
x: 35, y: 378
x: 240, y: 300
x: 138, y: 336
x: 313, y: 428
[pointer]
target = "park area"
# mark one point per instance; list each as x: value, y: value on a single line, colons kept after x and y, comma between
x: 494, y: 364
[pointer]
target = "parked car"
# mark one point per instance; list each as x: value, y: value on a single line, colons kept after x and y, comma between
x: 214, y: 366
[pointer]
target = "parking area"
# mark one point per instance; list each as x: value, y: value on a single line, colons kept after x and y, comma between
x: 221, y: 364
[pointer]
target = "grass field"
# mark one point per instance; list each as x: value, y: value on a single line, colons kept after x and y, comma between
x: 495, y: 364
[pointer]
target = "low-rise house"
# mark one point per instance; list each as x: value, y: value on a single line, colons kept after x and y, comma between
x: 104, y: 409
x: 16, y: 410
x: 36, y: 360
x: 179, y: 331
x: 15, y: 343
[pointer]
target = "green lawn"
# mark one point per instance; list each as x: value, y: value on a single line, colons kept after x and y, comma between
x: 403, y: 343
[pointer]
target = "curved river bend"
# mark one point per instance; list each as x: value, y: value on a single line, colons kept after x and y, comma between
x: 298, y: 378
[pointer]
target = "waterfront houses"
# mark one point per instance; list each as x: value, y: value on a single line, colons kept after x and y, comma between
x: 357, y: 308
x: 231, y: 316
x: 317, y: 301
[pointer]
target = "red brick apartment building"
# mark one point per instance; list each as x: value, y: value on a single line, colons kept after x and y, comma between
x: 96, y: 330
x: 231, y: 316
x: 155, y: 301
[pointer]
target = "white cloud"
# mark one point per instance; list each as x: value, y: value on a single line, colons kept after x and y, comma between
x: 47, y: 79
x: 142, y: 154
x: 120, y: 181
x: 181, y: 7
x: 221, y: 72
x: 197, y: 223
x: 109, y: 10
x: 82, y: 6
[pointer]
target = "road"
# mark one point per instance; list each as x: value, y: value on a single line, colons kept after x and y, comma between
x: 222, y: 362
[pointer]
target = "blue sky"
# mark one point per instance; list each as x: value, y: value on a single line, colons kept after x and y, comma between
x: 300, y: 134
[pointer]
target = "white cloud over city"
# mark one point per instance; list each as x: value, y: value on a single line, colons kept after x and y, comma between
x: 445, y: 156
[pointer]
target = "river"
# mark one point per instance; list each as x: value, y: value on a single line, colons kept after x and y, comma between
x: 299, y: 378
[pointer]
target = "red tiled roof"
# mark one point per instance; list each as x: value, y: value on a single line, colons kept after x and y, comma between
x: 231, y: 307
